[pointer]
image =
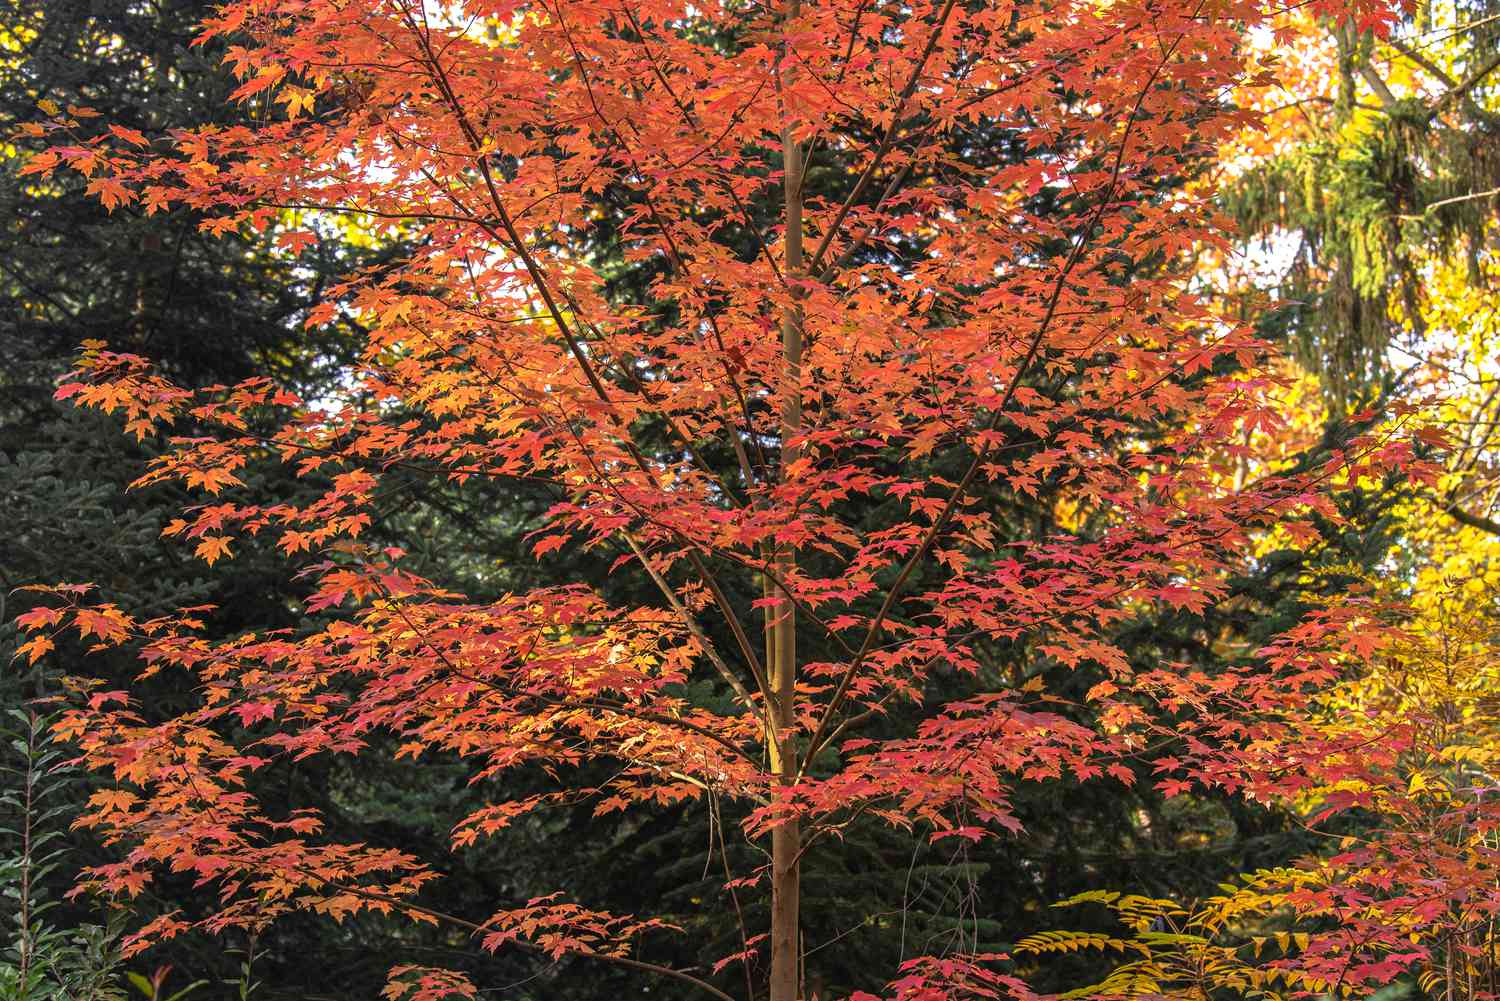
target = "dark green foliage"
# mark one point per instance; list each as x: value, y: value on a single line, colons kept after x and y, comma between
x: 41, y: 960
x: 207, y: 310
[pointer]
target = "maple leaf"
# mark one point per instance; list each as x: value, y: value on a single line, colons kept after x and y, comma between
x: 35, y: 648
x: 211, y: 548
x: 251, y: 712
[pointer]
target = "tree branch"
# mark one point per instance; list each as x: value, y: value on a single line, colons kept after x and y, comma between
x: 841, y: 692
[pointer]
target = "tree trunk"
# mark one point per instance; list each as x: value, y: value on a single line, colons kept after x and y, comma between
x: 786, y: 839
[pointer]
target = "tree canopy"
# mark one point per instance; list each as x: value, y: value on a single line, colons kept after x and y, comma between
x: 926, y: 501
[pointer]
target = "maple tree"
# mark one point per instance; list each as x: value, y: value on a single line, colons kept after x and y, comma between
x: 793, y: 358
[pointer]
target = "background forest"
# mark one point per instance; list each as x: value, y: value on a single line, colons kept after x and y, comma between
x: 1362, y: 205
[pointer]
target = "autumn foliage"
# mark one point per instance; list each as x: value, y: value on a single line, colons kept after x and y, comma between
x: 795, y: 430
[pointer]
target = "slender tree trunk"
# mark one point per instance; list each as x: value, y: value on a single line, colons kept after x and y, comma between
x: 786, y: 839
x: 26, y: 948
